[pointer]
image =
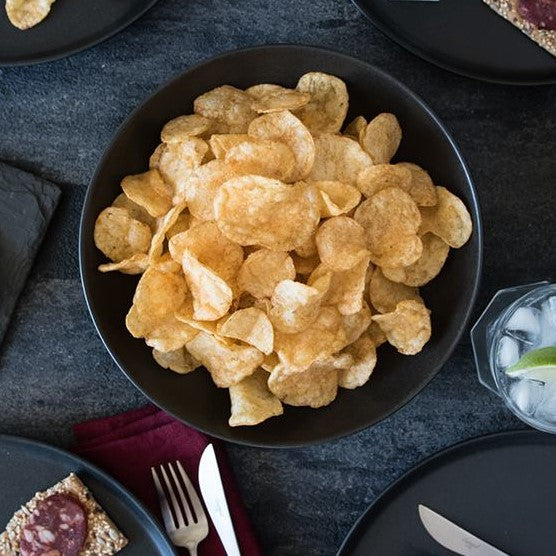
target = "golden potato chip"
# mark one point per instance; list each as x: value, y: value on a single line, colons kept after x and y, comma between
x: 221, y: 143
x: 355, y: 128
x: 264, y: 89
x: 252, y: 402
x: 338, y: 158
x: 27, y: 13
x: 178, y: 360
x: 203, y: 185
x: 381, y: 138
x: 251, y: 326
x: 119, y: 236
x: 149, y: 191
x: 421, y: 187
x: 308, y: 248
x: 135, y: 211
x: 327, y: 109
x: 163, y: 225
x: 134, y: 265
x: 295, y: 305
x: 262, y: 270
x: 408, y: 327
x: 226, y: 104
x: 170, y: 335
x: 340, y: 243
x: 227, y: 363
x: 277, y: 101
x: 181, y: 128
x: 426, y: 267
x: 304, y: 265
x: 136, y: 323
x: 286, y: 128
x: 376, y: 334
x: 336, y: 197
x: 316, y: 386
x: 253, y: 210
x: 271, y: 159
x: 391, y: 220
x: 385, y: 294
x: 356, y: 323
x: 212, y: 296
x: 181, y: 224
x: 449, y: 219
x: 374, y: 178
x: 363, y: 352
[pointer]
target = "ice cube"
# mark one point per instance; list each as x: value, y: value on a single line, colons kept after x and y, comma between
x: 547, y: 408
x: 508, y: 352
x: 527, y: 395
x: 525, y: 324
x: 548, y: 322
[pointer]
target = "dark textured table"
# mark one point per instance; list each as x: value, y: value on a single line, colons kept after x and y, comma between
x: 56, y: 119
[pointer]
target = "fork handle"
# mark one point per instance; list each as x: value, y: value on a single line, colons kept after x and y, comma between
x: 192, y: 549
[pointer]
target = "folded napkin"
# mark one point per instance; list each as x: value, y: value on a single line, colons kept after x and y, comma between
x: 127, y: 445
x: 27, y: 203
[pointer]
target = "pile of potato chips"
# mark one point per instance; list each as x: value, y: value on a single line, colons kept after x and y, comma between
x: 277, y: 251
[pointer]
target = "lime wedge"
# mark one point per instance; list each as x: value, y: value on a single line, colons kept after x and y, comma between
x: 538, y: 364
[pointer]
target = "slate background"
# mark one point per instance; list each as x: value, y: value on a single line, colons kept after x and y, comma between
x: 57, y: 118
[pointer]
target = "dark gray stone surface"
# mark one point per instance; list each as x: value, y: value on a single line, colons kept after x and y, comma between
x: 56, y: 119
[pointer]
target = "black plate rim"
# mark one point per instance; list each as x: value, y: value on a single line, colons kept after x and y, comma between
x: 475, y: 208
x: 34, y: 60
x: 432, y: 60
x: 109, y: 481
x: 430, y: 460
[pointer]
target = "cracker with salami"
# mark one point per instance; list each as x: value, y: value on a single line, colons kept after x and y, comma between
x: 64, y: 520
x: 536, y: 18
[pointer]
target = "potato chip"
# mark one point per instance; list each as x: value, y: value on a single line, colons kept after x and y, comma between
x: 421, y: 187
x: 252, y: 402
x: 391, y: 220
x: 295, y: 305
x: 134, y: 265
x: 181, y: 224
x: 25, y: 14
x: 227, y: 363
x: 264, y: 89
x: 170, y: 335
x: 336, y: 197
x: 286, y: 128
x: 251, y: 326
x: 136, y: 323
x: 178, y: 360
x: 408, y: 327
x: 327, y: 109
x: 221, y: 143
x: 356, y: 323
x: 449, y: 219
x: 212, y: 296
x: 203, y: 185
x: 363, y: 352
x: 376, y: 334
x: 270, y: 362
x: 308, y: 248
x: 253, y: 210
x: 149, y: 191
x: 135, y: 211
x: 163, y: 225
x: 316, y: 386
x: 226, y: 104
x: 262, y: 270
x: 371, y: 180
x: 271, y: 159
x: 340, y: 243
x: 385, y: 294
x: 119, y: 236
x: 280, y: 100
x: 355, y: 128
x: 338, y: 158
x: 426, y: 267
x: 304, y: 266
x: 181, y: 128
x: 381, y: 138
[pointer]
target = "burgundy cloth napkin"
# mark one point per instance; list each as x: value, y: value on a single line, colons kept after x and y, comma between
x: 127, y: 445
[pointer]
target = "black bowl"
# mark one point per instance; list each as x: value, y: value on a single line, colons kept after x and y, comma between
x: 193, y: 398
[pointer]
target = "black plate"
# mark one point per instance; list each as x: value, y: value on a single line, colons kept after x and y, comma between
x: 193, y: 398
x: 68, y: 28
x: 464, y: 36
x: 499, y: 487
x: 27, y: 467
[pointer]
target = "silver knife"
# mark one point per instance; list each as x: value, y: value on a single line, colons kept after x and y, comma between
x: 453, y: 537
x: 212, y: 490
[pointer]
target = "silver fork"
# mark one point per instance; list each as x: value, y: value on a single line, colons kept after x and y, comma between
x: 184, y: 530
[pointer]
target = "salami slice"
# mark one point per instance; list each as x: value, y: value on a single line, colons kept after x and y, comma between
x: 541, y: 13
x: 57, y: 527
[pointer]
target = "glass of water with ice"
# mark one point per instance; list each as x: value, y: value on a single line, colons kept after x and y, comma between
x: 514, y: 342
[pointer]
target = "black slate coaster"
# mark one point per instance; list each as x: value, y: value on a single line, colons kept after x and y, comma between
x: 27, y: 203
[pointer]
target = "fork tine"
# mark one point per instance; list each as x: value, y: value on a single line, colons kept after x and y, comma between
x: 165, y: 508
x: 195, y: 502
x: 176, y: 506
x: 183, y: 499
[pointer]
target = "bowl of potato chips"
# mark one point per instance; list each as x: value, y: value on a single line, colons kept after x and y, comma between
x: 281, y: 246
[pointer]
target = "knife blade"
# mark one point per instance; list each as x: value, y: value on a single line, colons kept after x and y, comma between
x: 453, y: 537
x: 210, y: 484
